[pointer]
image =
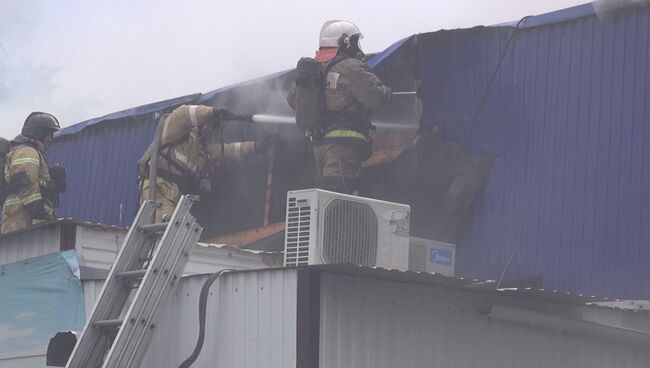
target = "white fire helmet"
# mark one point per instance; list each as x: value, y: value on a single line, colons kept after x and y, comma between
x: 333, y: 30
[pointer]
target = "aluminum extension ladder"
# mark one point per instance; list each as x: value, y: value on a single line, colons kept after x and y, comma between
x: 113, y: 338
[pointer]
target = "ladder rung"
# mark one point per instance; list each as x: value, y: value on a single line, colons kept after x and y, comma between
x: 154, y: 228
x: 118, y: 331
x: 136, y: 274
x: 108, y: 323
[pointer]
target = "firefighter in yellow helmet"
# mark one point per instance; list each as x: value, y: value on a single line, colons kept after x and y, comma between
x: 351, y: 93
x: 186, y: 156
x: 32, y: 187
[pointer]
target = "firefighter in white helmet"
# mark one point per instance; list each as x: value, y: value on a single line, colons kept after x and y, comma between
x: 350, y: 94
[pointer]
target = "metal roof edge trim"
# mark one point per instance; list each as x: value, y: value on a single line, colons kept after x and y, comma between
x: 60, y: 221
x: 557, y: 16
x: 138, y: 110
x: 451, y: 282
x: 234, y: 248
x: 379, y: 58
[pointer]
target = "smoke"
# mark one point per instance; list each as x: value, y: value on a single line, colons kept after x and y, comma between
x: 266, y: 97
x: 22, y: 88
x: 27, y: 87
x: 604, y: 8
x: 82, y: 59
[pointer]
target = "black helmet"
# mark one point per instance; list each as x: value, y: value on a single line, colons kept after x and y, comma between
x: 39, y: 125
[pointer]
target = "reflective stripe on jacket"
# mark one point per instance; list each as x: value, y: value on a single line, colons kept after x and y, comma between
x: 345, y: 133
x: 27, y: 167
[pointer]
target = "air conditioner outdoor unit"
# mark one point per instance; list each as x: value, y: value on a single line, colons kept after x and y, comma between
x: 325, y: 227
x: 432, y: 256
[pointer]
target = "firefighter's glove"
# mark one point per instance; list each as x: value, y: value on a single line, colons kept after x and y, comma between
x: 205, y: 186
x: 223, y: 115
x: 37, y: 210
x: 264, y: 145
x: 57, y: 173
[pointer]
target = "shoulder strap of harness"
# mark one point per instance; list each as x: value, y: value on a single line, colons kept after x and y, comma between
x: 328, y: 68
x: 163, y: 150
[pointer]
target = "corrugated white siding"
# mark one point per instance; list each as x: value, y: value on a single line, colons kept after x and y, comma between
x: 30, y: 244
x: 97, y: 246
x: 367, y: 323
x: 210, y: 258
x: 92, y: 288
x: 251, y: 322
x: 203, y: 258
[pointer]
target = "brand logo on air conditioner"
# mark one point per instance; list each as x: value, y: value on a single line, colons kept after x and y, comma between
x: 440, y: 256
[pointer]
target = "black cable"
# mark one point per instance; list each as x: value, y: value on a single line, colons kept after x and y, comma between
x: 512, y: 256
x: 488, y: 90
x: 203, y: 303
x: 487, y: 93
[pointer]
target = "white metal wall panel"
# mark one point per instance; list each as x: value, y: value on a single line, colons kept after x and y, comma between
x: 30, y: 244
x: 367, y: 323
x: 251, y: 323
x: 97, y: 246
x: 92, y: 288
x: 202, y: 260
x: 208, y: 258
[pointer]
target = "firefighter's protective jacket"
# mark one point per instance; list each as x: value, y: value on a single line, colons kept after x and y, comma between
x: 31, y: 193
x: 352, y: 94
x: 182, y: 153
x: 185, y: 155
x: 351, y: 86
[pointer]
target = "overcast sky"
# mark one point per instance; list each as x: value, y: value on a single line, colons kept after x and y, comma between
x: 80, y: 59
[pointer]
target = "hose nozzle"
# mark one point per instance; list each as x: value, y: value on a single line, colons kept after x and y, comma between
x: 245, y: 117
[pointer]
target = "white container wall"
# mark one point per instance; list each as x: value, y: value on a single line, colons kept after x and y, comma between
x: 251, y: 322
x: 30, y: 244
x: 367, y: 323
x: 97, y: 247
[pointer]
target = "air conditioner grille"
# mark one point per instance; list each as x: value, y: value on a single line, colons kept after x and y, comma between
x: 350, y: 233
x: 298, y: 231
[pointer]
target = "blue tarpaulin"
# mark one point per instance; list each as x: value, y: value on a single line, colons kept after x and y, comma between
x: 38, y: 298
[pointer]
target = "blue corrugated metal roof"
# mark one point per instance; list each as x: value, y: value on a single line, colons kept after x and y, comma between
x: 101, y: 169
x: 566, y: 118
